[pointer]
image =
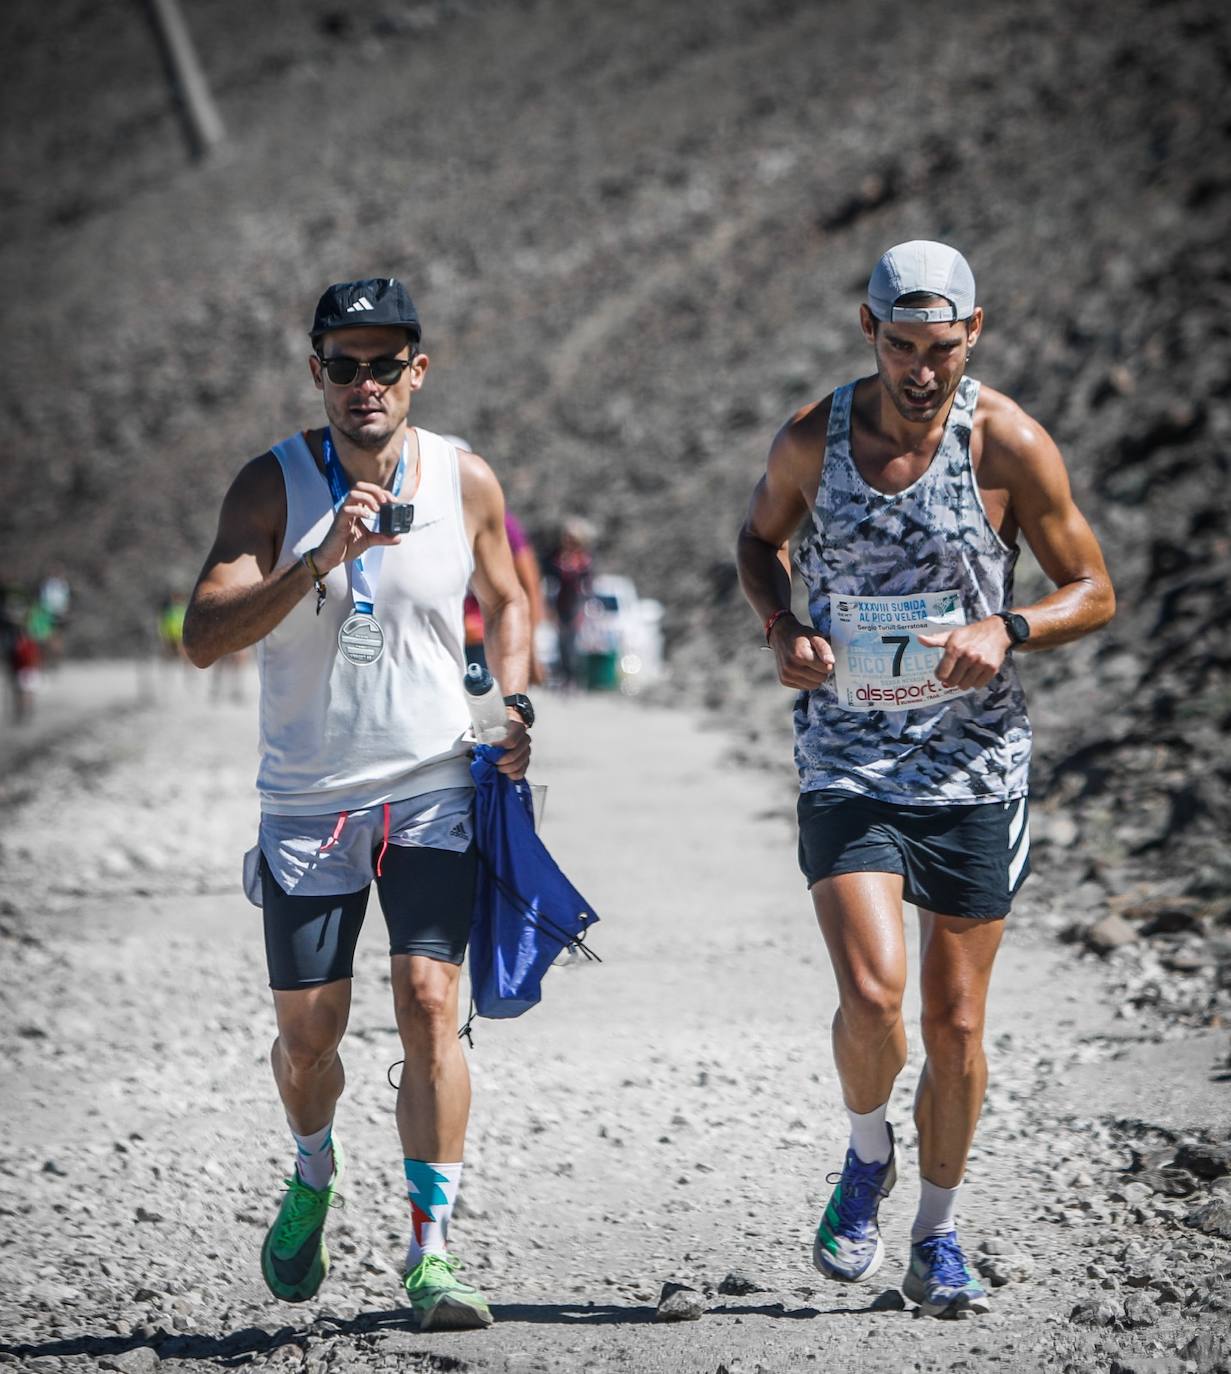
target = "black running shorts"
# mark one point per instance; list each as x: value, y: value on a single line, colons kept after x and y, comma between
x: 425, y: 894
x: 954, y: 860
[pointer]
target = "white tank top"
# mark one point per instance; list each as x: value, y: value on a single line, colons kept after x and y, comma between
x: 341, y: 736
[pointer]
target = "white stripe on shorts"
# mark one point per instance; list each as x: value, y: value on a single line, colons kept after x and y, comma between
x: 1019, y: 836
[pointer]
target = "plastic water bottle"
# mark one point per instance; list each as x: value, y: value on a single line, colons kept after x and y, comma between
x: 487, y: 711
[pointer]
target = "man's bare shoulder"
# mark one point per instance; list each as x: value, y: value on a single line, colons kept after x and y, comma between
x: 263, y: 472
x: 480, y: 485
x: 800, y: 443
x: 1010, y: 435
x: 475, y: 470
x: 809, y: 420
x: 259, y: 486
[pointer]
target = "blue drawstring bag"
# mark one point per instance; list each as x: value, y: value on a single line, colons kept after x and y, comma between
x: 525, y: 910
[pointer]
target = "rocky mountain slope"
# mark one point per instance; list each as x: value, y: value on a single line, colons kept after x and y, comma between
x: 638, y: 236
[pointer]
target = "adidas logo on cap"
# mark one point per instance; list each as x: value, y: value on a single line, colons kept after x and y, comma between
x: 370, y: 301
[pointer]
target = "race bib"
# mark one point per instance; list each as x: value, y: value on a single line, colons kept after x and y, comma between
x: 879, y: 664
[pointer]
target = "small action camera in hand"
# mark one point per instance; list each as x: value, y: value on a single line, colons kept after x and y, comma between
x: 395, y: 518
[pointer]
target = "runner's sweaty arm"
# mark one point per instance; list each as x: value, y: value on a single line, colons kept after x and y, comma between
x: 1025, y: 488
x: 779, y: 502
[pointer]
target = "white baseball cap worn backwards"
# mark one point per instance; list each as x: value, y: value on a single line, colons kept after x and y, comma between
x: 922, y: 266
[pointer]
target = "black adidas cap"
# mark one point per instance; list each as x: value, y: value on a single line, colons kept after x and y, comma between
x: 372, y: 301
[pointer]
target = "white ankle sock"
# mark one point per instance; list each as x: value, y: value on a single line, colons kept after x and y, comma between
x: 937, y: 1211
x: 315, y: 1162
x: 870, y: 1135
x: 432, y: 1189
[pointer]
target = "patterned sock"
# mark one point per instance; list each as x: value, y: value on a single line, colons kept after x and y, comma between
x: 432, y: 1189
x: 315, y: 1162
x: 870, y: 1135
x: 937, y: 1211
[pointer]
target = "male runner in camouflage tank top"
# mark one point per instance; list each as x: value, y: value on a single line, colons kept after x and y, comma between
x: 911, y: 736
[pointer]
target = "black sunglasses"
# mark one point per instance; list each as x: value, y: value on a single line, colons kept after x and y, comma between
x: 383, y: 371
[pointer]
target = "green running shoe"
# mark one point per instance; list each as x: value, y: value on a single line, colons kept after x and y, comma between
x: 294, y: 1260
x: 440, y: 1300
x: 848, y: 1240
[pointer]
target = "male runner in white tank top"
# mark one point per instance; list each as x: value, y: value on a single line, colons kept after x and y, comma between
x: 912, y: 741
x: 364, y: 761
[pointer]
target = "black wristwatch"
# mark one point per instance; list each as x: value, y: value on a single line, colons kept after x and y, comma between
x: 1017, y: 625
x: 520, y: 702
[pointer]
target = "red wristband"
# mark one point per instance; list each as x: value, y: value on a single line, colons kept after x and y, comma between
x: 772, y: 621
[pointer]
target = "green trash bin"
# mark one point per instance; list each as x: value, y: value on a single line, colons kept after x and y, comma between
x: 603, y: 672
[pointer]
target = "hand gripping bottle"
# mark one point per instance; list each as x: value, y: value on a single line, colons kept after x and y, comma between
x: 487, y: 712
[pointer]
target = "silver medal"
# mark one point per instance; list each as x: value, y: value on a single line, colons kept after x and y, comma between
x: 361, y: 639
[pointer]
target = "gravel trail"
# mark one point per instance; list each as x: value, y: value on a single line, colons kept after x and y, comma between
x: 666, y: 1116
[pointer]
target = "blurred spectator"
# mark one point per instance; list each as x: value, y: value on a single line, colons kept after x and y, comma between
x: 55, y: 595
x: 40, y: 623
x: 22, y: 655
x: 48, y: 615
x: 169, y: 668
x: 171, y: 626
x: 227, y: 677
x: 25, y: 664
x: 571, y: 567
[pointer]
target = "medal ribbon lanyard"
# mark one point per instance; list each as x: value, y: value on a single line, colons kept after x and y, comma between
x: 363, y: 581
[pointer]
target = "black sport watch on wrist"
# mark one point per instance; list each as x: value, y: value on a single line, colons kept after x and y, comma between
x: 1017, y: 626
x: 520, y: 703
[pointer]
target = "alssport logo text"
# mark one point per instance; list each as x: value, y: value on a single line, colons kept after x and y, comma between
x: 900, y: 694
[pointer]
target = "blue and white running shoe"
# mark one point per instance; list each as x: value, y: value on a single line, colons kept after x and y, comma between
x: 940, y: 1281
x: 848, y: 1240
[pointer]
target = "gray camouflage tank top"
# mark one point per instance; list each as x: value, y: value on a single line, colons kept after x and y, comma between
x: 902, y: 550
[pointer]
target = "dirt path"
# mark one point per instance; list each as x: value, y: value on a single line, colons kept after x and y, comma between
x: 668, y: 1115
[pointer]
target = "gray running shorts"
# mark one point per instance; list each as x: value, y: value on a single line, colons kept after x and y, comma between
x: 966, y: 860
